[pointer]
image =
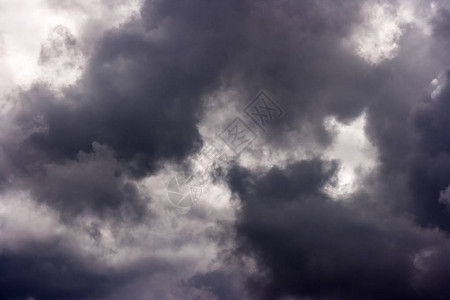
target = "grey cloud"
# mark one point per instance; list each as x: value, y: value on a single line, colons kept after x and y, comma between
x: 444, y: 196
x: 61, y: 42
x: 93, y: 183
x: 139, y: 102
x: 430, y: 173
x: 308, y: 245
x: 141, y: 95
x: 222, y: 284
x: 54, y: 270
x: 294, y: 50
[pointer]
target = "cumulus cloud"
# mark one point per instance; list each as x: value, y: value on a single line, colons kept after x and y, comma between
x: 107, y: 100
x: 310, y: 246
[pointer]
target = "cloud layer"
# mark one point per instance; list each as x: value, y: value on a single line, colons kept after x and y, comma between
x: 124, y: 101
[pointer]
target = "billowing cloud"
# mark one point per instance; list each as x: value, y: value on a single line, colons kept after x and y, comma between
x: 104, y: 101
x: 308, y: 245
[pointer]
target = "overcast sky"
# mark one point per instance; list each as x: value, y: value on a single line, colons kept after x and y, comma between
x: 224, y: 150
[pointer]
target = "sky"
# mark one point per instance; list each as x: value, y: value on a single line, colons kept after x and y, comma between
x: 224, y: 150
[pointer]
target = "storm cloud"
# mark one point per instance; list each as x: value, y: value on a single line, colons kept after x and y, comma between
x: 118, y: 97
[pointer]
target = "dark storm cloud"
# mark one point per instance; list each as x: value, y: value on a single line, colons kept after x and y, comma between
x: 141, y: 95
x: 135, y: 107
x: 46, y: 271
x: 410, y: 132
x: 54, y: 270
x: 93, y: 183
x: 222, y: 284
x: 312, y: 246
x: 294, y: 50
x: 138, y: 104
x: 430, y: 164
x: 308, y: 245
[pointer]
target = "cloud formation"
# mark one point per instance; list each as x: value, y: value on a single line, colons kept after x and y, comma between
x: 129, y: 98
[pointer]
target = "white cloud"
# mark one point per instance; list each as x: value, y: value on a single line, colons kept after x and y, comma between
x: 354, y: 151
x: 377, y: 38
x: 25, y: 25
x: 437, y: 84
